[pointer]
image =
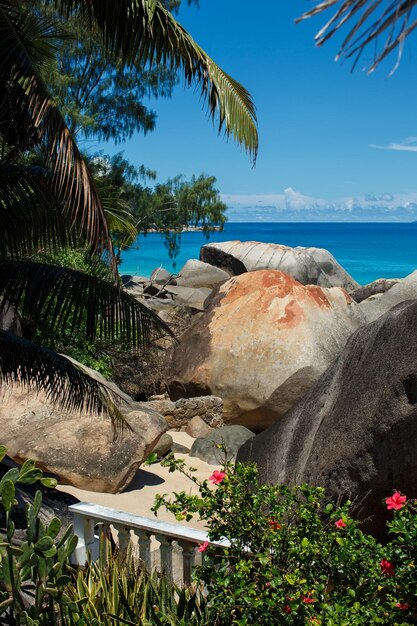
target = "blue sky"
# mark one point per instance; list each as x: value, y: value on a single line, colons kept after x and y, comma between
x: 328, y: 138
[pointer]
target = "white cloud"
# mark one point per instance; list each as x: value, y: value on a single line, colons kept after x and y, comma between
x: 407, y: 145
x: 292, y: 205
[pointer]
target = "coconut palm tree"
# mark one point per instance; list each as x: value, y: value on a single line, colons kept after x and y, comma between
x: 384, y: 24
x: 56, y: 203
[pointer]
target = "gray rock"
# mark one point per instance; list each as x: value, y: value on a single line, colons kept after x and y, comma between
x: 371, y: 289
x: 336, y: 274
x: 231, y: 437
x: 179, y: 414
x: 376, y: 305
x: 355, y: 433
x: 197, y: 427
x: 133, y: 282
x: 310, y: 266
x: 194, y: 298
x: 163, y: 445
x: 161, y: 276
x: 178, y: 448
x: 199, y: 274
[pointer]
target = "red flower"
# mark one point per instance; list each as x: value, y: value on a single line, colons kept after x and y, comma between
x: 340, y: 523
x: 286, y: 608
x: 203, y: 546
x: 308, y: 600
x: 217, y: 477
x: 402, y: 606
x: 267, y: 585
x: 274, y: 524
x: 396, y: 501
x: 387, y: 568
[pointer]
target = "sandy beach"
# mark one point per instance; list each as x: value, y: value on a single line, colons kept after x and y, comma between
x: 139, y: 497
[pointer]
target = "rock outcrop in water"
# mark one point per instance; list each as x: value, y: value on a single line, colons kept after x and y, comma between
x: 310, y: 266
x: 261, y: 344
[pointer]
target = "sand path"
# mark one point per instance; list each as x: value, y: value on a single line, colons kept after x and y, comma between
x: 139, y: 497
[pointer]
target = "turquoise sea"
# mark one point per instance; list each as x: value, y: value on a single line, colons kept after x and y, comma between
x: 368, y: 251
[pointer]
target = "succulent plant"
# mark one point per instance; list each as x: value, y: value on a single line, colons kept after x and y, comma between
x: 35, y: 573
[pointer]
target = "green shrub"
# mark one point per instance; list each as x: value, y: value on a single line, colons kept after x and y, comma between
x: 296, y: 558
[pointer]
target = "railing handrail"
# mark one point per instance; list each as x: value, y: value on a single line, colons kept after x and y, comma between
x: 131, y: 520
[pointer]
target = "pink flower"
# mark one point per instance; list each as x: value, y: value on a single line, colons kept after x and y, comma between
x: 308, y: 600
x: 274, y: 524
x: 396, y: 501
x: 387, y: 568
x: 402, y: 606
x: 203, y: 546
x: 340, y: 523
x: 217, y: 477
x: 267, y: 585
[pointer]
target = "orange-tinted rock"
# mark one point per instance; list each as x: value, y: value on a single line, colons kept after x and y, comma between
x: 261, y: 344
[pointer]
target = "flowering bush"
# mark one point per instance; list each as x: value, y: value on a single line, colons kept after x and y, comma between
x: 294, y: 557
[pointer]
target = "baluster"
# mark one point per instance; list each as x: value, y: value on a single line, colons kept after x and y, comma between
x: 144, y: 542
x: 188, y: 558
x: 84, y: 530
x: 123, y: 536
x: 165, y: 549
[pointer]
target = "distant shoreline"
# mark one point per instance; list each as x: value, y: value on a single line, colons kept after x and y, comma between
x: 185, y: 229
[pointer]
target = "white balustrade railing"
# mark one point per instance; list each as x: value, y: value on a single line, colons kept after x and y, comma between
x: 171, y: 538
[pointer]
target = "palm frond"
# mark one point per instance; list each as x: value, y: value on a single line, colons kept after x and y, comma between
x: 31, y: 218
x: 26, y: 364
x: 63, y: 298
x: 146, y: 31
x: 373, y: 21
x: 25, y: 104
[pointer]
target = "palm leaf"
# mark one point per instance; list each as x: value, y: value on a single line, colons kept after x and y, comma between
x: 37, y: 368
x: 25, y: 105
x: 145, y: 31
x: 30, y: 216
x: 63, y: 298
x: 372, y: 20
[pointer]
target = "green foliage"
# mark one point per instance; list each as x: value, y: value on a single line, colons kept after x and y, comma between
x: 33, y: 574
x: 166, y: 208
x: 38, y: 587
x: 97, y: 93
x: 68, y: 340
x: 294, y: 557
x: 116, y: 590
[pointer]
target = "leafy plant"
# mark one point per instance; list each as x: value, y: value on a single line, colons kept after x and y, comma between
x: 115, y: 590
x: 34, y: 574
x: 296, y: 558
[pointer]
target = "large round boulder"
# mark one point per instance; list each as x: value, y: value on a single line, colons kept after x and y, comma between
x: 261, y: 344
x: 81, y: 449
x: 355, y: 433
x: 310, y: 266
